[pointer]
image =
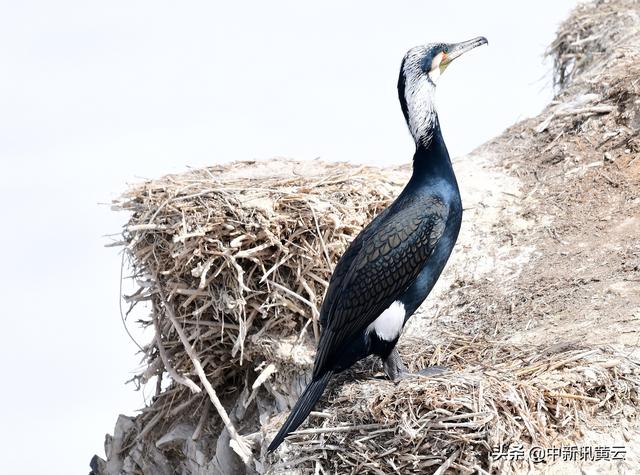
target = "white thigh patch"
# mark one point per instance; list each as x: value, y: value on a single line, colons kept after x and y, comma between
x: 389, y: 324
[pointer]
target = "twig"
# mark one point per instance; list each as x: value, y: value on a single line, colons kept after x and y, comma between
x: 597, y: 109
x: 310, y: 304
x: 575, y: 396
x: 548, y: 366
x: 320, y: 237
x: 146, y: 227
x: 122, y: 317
x: 447, y: 463
x: 321, y: 430
x: 238, y: 444
x: 178, y: 378
x: 203, y: 420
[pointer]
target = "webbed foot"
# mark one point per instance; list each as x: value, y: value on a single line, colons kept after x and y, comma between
x: 432, y: 371
x: 396, y: 370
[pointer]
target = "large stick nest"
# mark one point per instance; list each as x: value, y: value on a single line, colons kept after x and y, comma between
x: 242, y: 253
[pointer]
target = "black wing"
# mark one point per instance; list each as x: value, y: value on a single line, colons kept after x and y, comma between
x: 376, y: 269
x: 343, y: 266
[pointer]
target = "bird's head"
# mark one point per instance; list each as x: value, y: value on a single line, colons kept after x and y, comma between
x: 421, y: 68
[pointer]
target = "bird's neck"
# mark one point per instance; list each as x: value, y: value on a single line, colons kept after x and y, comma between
x: 431, y: 162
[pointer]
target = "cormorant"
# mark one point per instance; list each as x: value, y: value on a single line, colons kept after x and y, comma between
x: 392, y: 265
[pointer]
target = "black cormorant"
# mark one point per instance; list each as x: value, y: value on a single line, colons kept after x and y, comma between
x: 392, y: 265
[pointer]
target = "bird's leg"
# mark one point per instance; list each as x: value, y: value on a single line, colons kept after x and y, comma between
x: 395, y: 369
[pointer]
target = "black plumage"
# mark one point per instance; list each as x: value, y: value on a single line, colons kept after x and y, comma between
x: 392, y: 265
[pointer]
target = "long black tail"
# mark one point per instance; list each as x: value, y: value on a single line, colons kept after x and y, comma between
x: 302, y: 409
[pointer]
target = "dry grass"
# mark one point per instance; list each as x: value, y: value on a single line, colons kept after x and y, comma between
x: 593, y: 40
x: 492, y: 394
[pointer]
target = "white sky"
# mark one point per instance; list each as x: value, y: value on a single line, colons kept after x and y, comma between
x: 97, y: 94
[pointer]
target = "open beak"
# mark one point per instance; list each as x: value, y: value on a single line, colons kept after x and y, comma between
x: 455, y: 50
